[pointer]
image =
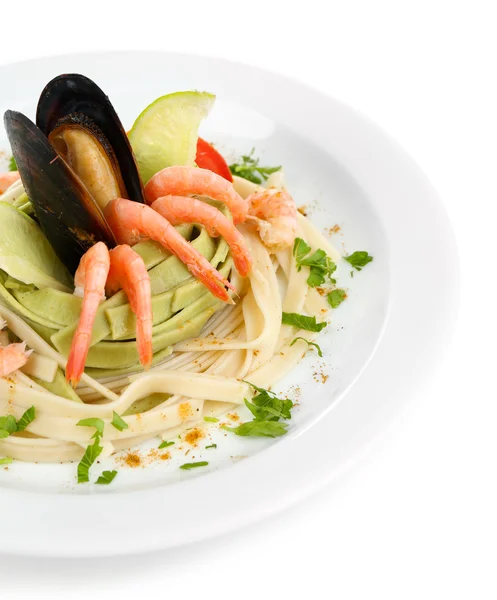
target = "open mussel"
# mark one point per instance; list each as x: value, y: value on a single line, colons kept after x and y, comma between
x: 72, y: 163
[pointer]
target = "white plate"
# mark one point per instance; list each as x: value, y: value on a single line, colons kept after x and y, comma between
x: 349, y: 173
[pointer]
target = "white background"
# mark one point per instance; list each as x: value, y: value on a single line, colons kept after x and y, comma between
x: 417, y: 518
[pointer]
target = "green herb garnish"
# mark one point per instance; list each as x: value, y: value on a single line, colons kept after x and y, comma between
x: 320, y: 353
x: 97, y: 423
x: 336, y: 297
x: 359, y: 259
x: 266, y: 406
x: 106, y: 477
x: 321, y: 266
x: 302, y: 322
x: 211, y: 446
x: 6, y: 461
x: 91, y: 454
x: 117, y: 422
x: 188, y: 466
x: 8, y: 425
x: 259, y: 429
x: 12, y: 164
x: 250, y: 169
x: 211, y: 419
x: 26, y: 419
x: 166, y: 445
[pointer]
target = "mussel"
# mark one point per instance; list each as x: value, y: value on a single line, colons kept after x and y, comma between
x: 72, y: 163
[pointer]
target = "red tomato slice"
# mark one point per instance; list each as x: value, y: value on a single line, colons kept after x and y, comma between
x: 209, y: 158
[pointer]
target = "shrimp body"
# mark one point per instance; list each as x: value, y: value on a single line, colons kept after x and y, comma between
x: 178, y: 210
x: 7, y: 179
x: 275, y: 215
x: 127, y: 270
x: 129, y: 219
x: 90, y: 279
x: 183, y: 181
x: 12, y: 356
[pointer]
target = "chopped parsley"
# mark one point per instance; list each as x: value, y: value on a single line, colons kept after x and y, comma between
x: 211, y: 419
x: 194, y: 465
x: 90, y: 456
x: 267, y: 409
x: 259, y: 429
x: 166, y: 445
x: 97, y: 423
x: 211, y: 446
x: 320, y: 353
x: 106, y: 477
x: 302, y: 322
x: 320, y: 265
x: 12, y: 164
x: 26, y: 419
x: 6, y: 461
x: 249, y: 168
x: 118, y: 422
x: 266, y: 406
x: 9, y: 425
x: 336, y: 297
x: 359, y: 259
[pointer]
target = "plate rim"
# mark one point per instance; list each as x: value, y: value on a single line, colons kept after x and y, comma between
x: 151, y: 536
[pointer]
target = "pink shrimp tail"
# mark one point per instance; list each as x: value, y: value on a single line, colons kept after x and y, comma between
x: 178, y: 210
x: 127, y: 270
x: 91, y: 275
x: 7, y: 179
x: 128, y: 218
x: 183, y: 181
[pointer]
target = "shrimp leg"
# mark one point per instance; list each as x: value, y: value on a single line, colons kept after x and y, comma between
x: 129, y: 219
x: 183, y: 181
x: 127, y: 270
x: 12, y: 356
x: 178, y: 210
x: 90, y: 279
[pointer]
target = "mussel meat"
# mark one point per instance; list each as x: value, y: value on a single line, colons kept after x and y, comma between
x: 72, y: 163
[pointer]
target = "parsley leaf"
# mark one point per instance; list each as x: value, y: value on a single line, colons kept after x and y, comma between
x: 211, y: 446
x: 106, y: 477
x: 300, y: 249
x: 211, y: 419
x: 8, y: 425
x: 6, y: 461
x: 117, y: 422
x: 166, y: 445
x: 359, y: 259
x: 90, y: 456
x: 320, y: 353
x: 26, y: 419
x: 97, y: 423
x: 302, y: 322
x: 194, y: 465
x: 336, y: 297
x: 249, y: 169
x: 259, y: 429
x: 269, y: 408
x: 320, y: 265
x: 12, y: 164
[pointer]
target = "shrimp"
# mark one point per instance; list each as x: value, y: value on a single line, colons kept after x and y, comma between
x: 7, y: 179
x: 183, y: 181
x: 129, y: 219
x: 177, y: 210
x: 90, y: 279
x: 12, y: 356
x: 275, y: 215
x: 127, y: 270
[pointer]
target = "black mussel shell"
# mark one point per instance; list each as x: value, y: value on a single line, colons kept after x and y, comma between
x: 66, y: 212
x: 73, y: 93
